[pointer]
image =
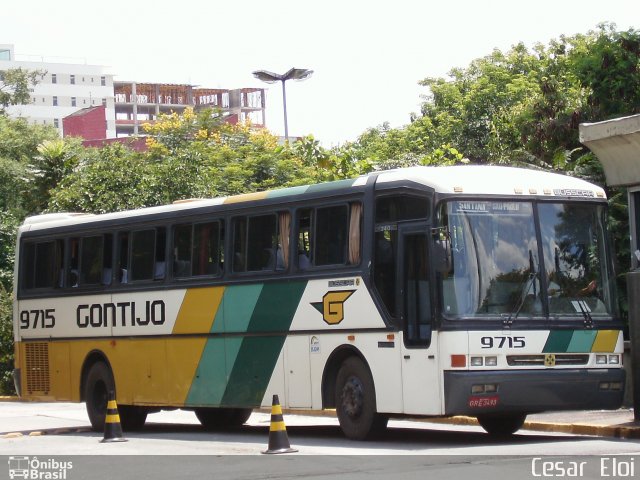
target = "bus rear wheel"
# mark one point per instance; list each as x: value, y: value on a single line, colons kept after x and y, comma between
x: 356, y: 401
x: 222, y: 418
x: 132, y: 417
x: 97, y: 385
x: 502, y: 425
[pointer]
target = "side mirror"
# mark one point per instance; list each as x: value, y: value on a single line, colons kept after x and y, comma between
x: 441, y: 250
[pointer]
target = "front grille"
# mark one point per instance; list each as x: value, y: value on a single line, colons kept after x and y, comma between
x: 37, y: 355
x: 539, y: 360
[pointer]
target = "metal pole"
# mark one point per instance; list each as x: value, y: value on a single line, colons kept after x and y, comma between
x: 633, y: 295
x: 284, y: 106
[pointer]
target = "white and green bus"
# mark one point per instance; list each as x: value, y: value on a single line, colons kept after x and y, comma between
x: 427, y: 291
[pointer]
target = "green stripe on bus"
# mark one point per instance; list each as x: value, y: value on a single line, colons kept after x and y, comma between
x: 258, y: 355
x: 327, y: 187
x: 210, y: 379
x: 238, y: 305
x: 284, y: 192
x: 582, y: 341
x: 558, y: 341
x: 219, y: 354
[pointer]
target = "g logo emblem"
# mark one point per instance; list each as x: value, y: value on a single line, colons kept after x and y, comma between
x: 332, y: 306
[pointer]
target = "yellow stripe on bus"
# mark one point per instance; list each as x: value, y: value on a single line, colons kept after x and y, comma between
x: 198, y: 310
x: 606, y: 341
x: 246, y: 197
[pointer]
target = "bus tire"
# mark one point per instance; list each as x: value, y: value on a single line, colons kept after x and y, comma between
x: 356, y: 401
x: 132, y: 418
x: 222, y: 418
x: 97, y: 385
x: 502, y: 425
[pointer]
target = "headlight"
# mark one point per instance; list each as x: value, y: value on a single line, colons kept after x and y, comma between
x: 476, y: 361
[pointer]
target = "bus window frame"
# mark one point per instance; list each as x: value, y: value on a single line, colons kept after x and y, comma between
x: 192, y: 222
x: 230, y: 242
x: 346, y: 202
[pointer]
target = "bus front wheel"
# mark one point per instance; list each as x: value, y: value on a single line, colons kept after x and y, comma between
x: 356, y: 401
x: 502, y: 424
x: 98, y: 383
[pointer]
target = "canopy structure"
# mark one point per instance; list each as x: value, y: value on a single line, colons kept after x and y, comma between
x: 616, y: 143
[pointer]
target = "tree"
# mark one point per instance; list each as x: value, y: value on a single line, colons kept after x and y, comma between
x: 191, y: 156
x: 108, y: 179
x: 6, y: 343
x: 14, y: 86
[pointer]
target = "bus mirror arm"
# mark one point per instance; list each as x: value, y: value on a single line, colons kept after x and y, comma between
x: 441, y: 249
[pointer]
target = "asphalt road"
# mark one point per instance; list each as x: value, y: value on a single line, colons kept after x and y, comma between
x: 172, y: 445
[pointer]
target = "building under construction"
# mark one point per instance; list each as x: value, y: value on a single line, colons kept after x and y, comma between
x: 138, y: 103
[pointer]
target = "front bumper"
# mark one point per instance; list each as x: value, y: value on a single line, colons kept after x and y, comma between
x: 533, y: 391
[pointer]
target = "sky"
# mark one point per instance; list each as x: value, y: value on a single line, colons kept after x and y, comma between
x: 367, y: 56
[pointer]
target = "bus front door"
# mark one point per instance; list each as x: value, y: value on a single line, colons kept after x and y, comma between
x: 420, y: 379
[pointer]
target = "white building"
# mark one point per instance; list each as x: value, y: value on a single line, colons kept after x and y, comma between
x: 64, y: 89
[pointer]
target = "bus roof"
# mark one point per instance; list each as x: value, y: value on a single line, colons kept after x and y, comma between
x: 464, y: 179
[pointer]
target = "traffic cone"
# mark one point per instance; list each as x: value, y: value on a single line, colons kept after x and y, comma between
x: 112, y: 427
x: 278, y: 439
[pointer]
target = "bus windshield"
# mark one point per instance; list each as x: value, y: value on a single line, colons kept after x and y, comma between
x: 495, y: 267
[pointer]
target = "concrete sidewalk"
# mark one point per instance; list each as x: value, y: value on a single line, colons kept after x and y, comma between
x: 603, y: 423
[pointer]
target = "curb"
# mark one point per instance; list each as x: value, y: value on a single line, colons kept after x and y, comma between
x: 46, y: 431
x: 612, y: 431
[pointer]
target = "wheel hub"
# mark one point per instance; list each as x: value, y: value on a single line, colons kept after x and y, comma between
x: 353, y: 397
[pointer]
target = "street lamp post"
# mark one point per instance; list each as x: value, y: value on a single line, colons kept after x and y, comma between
x: 293, y: 74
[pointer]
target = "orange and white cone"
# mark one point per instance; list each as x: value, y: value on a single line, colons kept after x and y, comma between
x: 278, y: 439
x: 112, y: 427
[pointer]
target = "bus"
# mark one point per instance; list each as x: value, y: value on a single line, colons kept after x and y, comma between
x: 421, y: 292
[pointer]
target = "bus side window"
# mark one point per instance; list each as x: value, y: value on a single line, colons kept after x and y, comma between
x: 182, y: 236
x: 261, y: 243
x: 160, y: 264
x: 206, y: 248
x: 255, y: 243
x: 73, y: 262
x: 107, y: 260
x: 123, y: 257
x: 148, y: 255
x: 304, y: 238
x: 239, y: 244
x: 91, y: 260
x: 41, y: 264
x: 331, y: 232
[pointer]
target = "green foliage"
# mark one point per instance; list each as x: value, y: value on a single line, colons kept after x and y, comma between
x: 14, y: 86
x: 9, y: 223
x: 106, y: 180
x: 6, y: 343
x: 19, y: 142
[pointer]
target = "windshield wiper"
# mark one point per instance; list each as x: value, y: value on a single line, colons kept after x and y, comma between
x: 582, y: 307
x: 530, y: 281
